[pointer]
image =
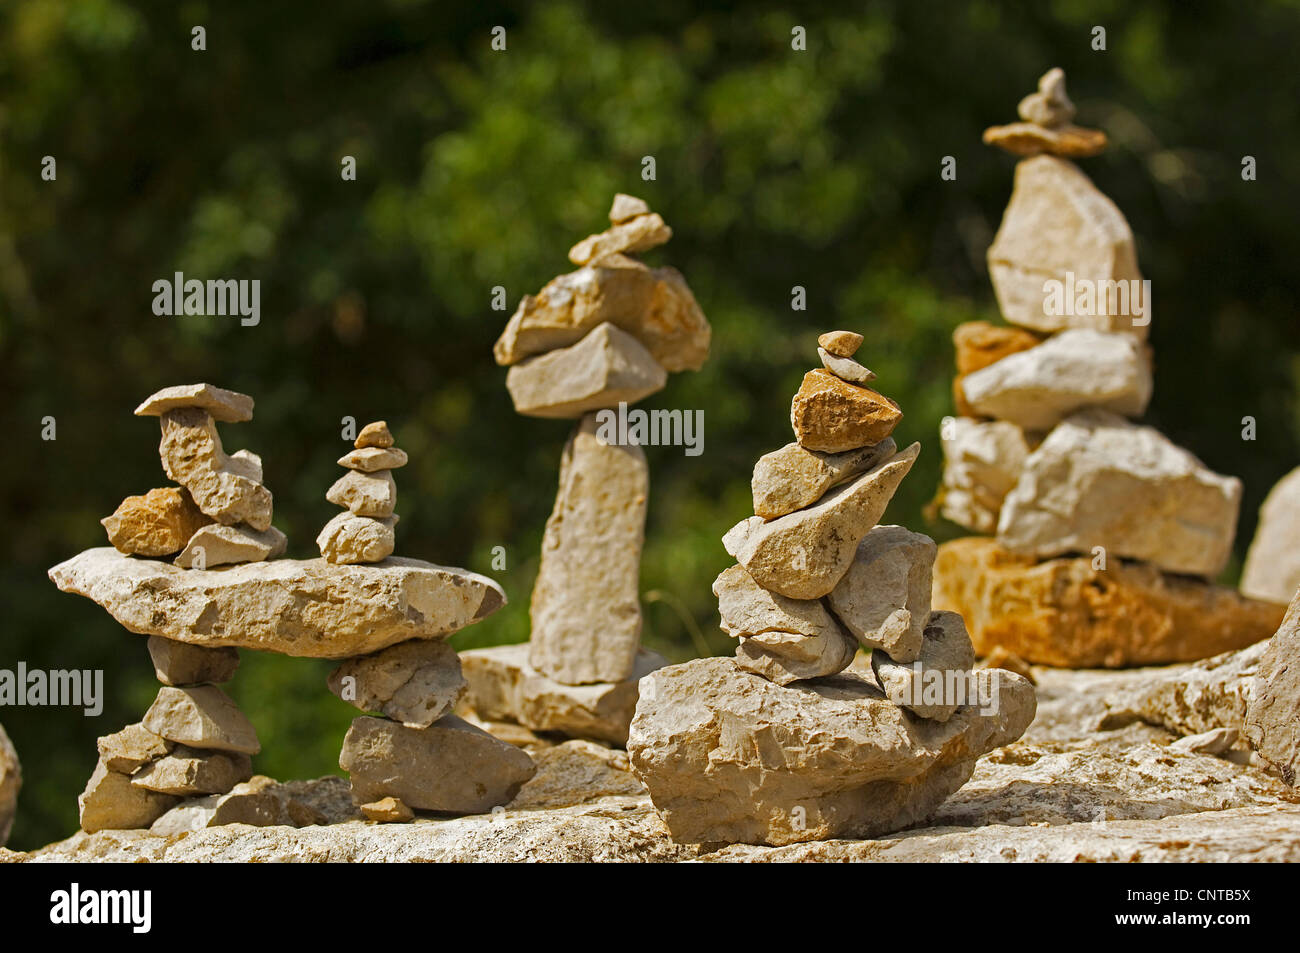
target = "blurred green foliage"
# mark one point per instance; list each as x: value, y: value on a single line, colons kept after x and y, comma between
x: 479, y: 168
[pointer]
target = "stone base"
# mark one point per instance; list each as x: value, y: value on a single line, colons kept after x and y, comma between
x: 729, y: 756
x: 1064, y: 613
x: 504, y: 687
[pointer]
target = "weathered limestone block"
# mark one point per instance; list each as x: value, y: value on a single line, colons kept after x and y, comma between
x: 217, y: 545
x: 178, y: 664
x: 832, y: 415
x: 730, y: 756
x: 1064, y: 612
x: 1273, y: 709
x: 982, y: 463
x: 227, y: 406
x: 260, y: 802
x: 374, y: 434
x: 348, y: 539
x: 156, y: 524
x: 791, y: 478
x: 1036, y: 389
x: 222, y: 486
x: 504, y: 687
x: 450, y: 766
x: 1059, y: 226
x: 979, y: 344
x: 365, y: 494
x: 586, y: 614
x: 654, y: 305
x: 884, y: 598
x: 845, y: 368
x: 131, y: 748
x: 372, y: 458
x: 939, y: 680
x: 785, y: 657
x: 637, y: 234
x: 416, y: 682
x: 1098, y: 480
x: 805, y: 554
x: 201, y: 717
x: 187, y: 772
x: 305, y: 608
x: 1272, y: 569
x: 606, y: 367
x: 112, y: 802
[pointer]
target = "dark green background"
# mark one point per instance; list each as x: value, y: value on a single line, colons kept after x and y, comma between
x: 476, y: 169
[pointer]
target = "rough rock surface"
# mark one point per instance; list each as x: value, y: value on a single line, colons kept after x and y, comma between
x: 1058, y: 222
x: 260, y: 802
x: 653, y: 305
x: 347, y: 539
x: 606, y: 367
x: 1190, y: 699
x: 131, y: 748
x: 845, y: 368
x: 586, y: 624
x: 884, y: 598
x: 747, y: 609
x: 1038, y: 388
x: 503, y: 686
x: 224, y: 405
x: 630, y: 236
x: 784, y: 657
x: 305, y: 608
x: 156, y: 524
x: 805, y: 554
x: 939, y: 681
x: 372, y: 459
x: 374, y: 434
x: 982, y: 463
x: 188, y: 772
x: 217, y: 545
x: 832, y: 415
x: 112, y: 802
x: 365, y: 494
x: 415, y: 682
x: 1273, y: 710
x: 201, y: 717
x: 451, y: 766
x: 11, y: 781
x: 979, y: 344
x: 177, y: 663
x: 226, y: 488
x: 1098, y: 480
x: 1272, y: 569
x: 1065, y: 793
x: 791, y: 478
x: 388, y: 810
x: 729, y: 756
x: 1066, y: 612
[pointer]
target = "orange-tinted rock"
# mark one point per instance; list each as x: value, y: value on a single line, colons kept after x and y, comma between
x: 1063, y: 612
x: 157, y: 524
x: 980, y: 344
x: 1031, y: 139
x: 832, y: 415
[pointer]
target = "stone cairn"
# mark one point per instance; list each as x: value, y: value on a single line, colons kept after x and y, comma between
x: 363, y: 533
x: 595, y: 339
x: 1107, y: 534
x: 781, y: 744
x: 187, y: 763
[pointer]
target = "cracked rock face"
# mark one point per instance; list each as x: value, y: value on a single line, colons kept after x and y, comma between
x: 304, y: 608
x: 226, y: 488
x: 730, y: 756
x: 1273, y: 710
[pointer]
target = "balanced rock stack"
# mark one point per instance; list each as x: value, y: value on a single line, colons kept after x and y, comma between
x: 363, y: 533
x: 1107, y: 534
x: 221, y: 513
x: 186, y: 764
x: 592, y: 340
x: 781, y: 744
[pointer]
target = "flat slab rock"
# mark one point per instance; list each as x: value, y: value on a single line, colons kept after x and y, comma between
x: 303, y: 608
x: 1065, y: 792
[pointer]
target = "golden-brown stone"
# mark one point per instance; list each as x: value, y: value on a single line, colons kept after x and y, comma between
x: 1031, y: 139
x: 157, y: 524
x: 832, y: 415
x: 1063, y: 612
x: 979, y: 344
x: 374, y: 434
